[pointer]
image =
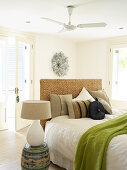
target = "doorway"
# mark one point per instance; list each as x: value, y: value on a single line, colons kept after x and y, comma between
x: 117, y: 75
x: 19, y: 80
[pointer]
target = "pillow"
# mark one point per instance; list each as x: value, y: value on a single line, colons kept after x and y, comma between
x: 71, y: 110
x: 58, y: 104
x: 55, y: 105
x: 78, y: 109
x: 101, y: 94
x: 84, y: 95
x: 105, y: 104
x: 97, y: 111
x: 64, y: 99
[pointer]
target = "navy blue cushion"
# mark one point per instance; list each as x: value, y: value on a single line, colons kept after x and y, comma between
x: 97, y: 110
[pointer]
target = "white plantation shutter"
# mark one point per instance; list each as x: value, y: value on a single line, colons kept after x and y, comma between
x: 11, y: 65
x: 3, y: 71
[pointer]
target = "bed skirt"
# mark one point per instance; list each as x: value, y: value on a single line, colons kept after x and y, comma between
x: 61, y: 161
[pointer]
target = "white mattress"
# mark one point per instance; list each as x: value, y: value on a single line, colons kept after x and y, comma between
x: 62, y: 135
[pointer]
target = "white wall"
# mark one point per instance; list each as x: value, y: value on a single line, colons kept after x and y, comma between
x: 46, y: 47
x: 86, y: 59
x: 92, y: 60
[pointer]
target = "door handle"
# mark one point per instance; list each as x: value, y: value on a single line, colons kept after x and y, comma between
x: 16, y: 90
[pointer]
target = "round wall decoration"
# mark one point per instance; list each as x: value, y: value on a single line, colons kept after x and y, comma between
x: 60, y: 64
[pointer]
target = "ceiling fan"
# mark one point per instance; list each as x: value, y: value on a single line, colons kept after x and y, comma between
x: 70, y: 26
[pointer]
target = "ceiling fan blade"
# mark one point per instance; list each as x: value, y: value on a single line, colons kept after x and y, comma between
x: 92, y: 25
x: 85, y: 3
x: 63, y: 30
x: 54, y: 21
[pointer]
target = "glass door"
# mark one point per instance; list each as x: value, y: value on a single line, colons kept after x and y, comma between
x: 119, y: 80
x: 117, y: 75
x: 24, y: 79
x: 3, y: 82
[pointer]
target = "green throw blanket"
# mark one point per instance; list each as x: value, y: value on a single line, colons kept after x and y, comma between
x: 92, y: 146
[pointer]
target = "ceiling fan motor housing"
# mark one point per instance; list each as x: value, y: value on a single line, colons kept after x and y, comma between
x: 70, y: 27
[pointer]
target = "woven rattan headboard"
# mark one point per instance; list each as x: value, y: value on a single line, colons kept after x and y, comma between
x: 66, y: 86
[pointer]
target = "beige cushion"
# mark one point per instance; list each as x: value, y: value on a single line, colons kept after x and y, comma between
x: 58, y: 104
x: 55, y: 105
x: 78, y: 109
x: 84, y: 95
x: 64, y: 99
x: 101, y: 94
x: 105, y: 104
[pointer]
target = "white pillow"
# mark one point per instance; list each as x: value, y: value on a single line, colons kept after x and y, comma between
x: 84, y: 95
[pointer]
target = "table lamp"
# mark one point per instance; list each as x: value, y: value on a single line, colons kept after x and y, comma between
x: 35, y: 110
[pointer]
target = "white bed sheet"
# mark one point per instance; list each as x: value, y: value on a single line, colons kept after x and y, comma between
x: 62, y: 135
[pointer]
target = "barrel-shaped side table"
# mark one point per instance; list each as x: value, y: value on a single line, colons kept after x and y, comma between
x: 35, y: 157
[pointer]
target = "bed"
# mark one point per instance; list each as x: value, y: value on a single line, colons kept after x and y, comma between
x: 62, y: 133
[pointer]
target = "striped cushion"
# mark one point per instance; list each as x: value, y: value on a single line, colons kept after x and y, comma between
x: 78, y: 109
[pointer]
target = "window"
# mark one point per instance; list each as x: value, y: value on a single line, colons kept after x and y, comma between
x: 119, y: 75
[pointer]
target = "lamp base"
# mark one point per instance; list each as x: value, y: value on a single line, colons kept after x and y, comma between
x: 35, y: 134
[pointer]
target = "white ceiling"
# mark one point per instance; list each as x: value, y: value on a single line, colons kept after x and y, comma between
x: 14, y: 13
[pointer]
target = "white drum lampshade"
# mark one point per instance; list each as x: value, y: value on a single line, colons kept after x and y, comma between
x: 35, y: 110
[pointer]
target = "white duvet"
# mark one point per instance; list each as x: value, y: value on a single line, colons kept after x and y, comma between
x: 62, y: 135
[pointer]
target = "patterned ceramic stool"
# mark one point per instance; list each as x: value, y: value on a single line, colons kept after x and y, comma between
x: 35, y: 157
